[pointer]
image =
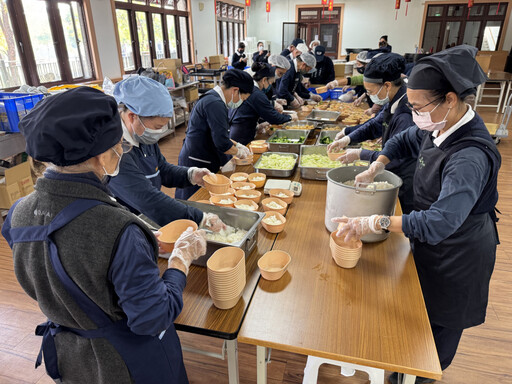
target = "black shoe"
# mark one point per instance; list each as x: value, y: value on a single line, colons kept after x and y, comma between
x: 393, y: 379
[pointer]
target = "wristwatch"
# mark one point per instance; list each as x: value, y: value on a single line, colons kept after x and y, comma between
x: 384, y: 223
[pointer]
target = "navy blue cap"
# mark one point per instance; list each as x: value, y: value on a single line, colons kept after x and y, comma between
x: 240, y: 79
x: 319, y: 53
x: 384, y: 67
x: 72, y: 127
x: 296, y: 42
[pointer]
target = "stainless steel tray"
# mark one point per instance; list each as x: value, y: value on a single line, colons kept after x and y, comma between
x: 338, y: 127
x: 301, y: 123
x: 323, y: 116
x: 291, y: 134
x: 313, y: 173
x: 276, y: 172
x: 331, y: 134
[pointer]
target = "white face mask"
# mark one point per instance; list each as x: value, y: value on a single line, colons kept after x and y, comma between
x: 376, y: 100
x: 232, y: 104
x: 423, y: 120
x: 116, y: 172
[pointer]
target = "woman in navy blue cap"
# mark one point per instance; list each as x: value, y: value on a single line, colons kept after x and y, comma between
x: 89, y: 263
x: 244, y: 120
x: 384, y: 84
x: 146, y: 108
x: 453, y: 226
x: 324, y: 73
x: 207, y: 143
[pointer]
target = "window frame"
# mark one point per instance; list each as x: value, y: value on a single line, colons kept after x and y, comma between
x: 234, y: 22
x: 26, y: 51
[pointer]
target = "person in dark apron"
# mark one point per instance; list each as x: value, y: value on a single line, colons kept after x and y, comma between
x: 146, y: 108
x: 453, y: 225
x: 291, y: 85
x: 207, y: 143
x: 281, y: 66
x: 90, y: 264
x: 383, y: 82
x: 244, y: 120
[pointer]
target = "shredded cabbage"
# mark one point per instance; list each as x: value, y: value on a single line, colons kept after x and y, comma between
x: 275, y: 161
x: 319, y: 161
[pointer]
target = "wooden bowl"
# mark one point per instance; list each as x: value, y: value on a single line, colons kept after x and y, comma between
x: 216, y: 200
x: 246, y: 161
x: 245, y: 195
x: 258, y: 148
x: 238, y: 176
x: 275, y: 200
x: 320, y: 90
x: 334, y: 155
x: 230, y: 192
x: 273, y: 264
x: 172, y: 231
x: 273, y: 228
x: 251, y: 203
x: 216, y: 183
x: 257, y: 183
x: 243, y: 186
x: 289, y: 194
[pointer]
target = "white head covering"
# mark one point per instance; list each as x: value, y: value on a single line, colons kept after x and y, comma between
x: 279, y: 61
x: 313, y: 42
x: 308, y: 59
x: 302, y: 48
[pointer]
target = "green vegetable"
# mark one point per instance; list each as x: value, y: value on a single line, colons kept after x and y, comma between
x: 326, y: 140
x: 319, y: 161
x: 275, y: 161
x: 286, y: 140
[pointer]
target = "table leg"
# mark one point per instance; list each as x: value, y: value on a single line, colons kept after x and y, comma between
x: 261, y: 354
x: 503, y: 85
x: 407, y: 379
x: 232, y: 352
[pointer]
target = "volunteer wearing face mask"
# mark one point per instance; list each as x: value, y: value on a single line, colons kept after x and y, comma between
x: 313, y: 44
x: 383, y: 82
x: 261, y: 56
x: 90, y: 264
x: 452, y: 228
x: 207, y: 139
x: 291, y: 88
x: 146, y: 108
x: 280, y: 65
x: 239, y: 60
x: 324, y: 67
x: 288, y: 52
x: 244, y: 120
x: 362, y: 60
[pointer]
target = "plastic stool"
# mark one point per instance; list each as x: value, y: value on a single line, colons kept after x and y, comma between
x: 375, y: 375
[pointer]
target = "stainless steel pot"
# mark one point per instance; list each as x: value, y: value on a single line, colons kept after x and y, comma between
x: 343, y: 200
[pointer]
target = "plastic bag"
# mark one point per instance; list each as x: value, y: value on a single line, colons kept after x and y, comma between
x: 108, y: 86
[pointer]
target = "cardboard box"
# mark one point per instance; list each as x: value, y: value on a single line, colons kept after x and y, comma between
x: 191, y: 94
x: 216, y: 59
x: 173, y: 65
x: 352, y: 56
x: 492, y: 60
x: 16, y: 183
x: 339, y: 70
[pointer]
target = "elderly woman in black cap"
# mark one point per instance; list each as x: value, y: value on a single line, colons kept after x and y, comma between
x: 207, y: 141
x: 453, y: 227
x: 384, y: 85
x: 89, y: 263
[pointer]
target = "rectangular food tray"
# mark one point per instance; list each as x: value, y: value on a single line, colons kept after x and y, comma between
x: 276, y: 172
x: 313, y: 173
x: 287, y: 147
x: 331, y: 134
x: 323, y: 116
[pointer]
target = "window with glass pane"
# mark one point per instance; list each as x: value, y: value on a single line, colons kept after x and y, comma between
x: 38, y: 25
x: 431, y: 36
x: 230, y: 38
x: 142, y: 33
x: 471, y: 33
x: 242, y: 36
x: 224, y: 38
x: 236, y: 36
x: 230, y: 11
x: 451, y: 34
x: 455, y: 10
x: 184, y: 40
x: 158, y: 33
x: 308, y: 15
x: 169, y: 4
x: 171, y: 37
x: 494, y: 11
x: 125, y: 40
x: 224, y: 10
x: 476, y: 10
x: 141, y: 2
x: 435, y: 11
x: 182, y: 5
x: 11, y: 72
x: 219, y: 26
x: 155, y: 3
x: 491, y: 36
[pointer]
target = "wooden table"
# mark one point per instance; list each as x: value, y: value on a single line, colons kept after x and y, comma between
x: 373, y: 315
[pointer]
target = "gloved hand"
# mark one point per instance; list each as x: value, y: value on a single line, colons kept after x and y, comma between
x: 197, y: 176
x: 350, y: 156
x: 356, y: 227
x: 212, y: 222
x: 306, y: 83
x: 190, y: 246
x: 243, y: 151
x: 295, y: 104
x: 294, y: 116
x: 299, y: 99
x: 315, y: 97
x: 230, y: 166
x: 278, y: 107
x: 360, y: 100
x: 368, y: 112
x: 375, y: 168
x: 346, y: 88
x: 262, y: 127
x: 282, y: 101
x: 340, y: 135
x: 333, y: 84
x: 338, y: 145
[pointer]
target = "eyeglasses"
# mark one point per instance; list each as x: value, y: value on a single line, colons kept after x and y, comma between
x: 417, y: 110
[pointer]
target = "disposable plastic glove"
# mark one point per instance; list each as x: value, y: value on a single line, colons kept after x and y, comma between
x: 294, y: 116
x: 262, y: 127
x: 230, y: 166
x: 333, y: 84
x: 243, y: 151
x: 282, y: 101
x: 212, y: 222
x: 338, y: 145
x: 350, y: 156
x: 360, y: 100
x: 299, y: 99
x: 356, y: 227
x: 190, y: 246
x: 315, y: 97
x: 346, y: 88
x: 197, y: 176
x: 295, y: 104
x: 278, y: 107
x: 376, y: 168
x: 340, y: 135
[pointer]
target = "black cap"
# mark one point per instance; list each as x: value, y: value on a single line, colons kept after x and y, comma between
x: 384, y: 67
x: 319, y: 53
x: 72, y: 127
x: 454, y: 68
x: 240, y: 79
x: 296, y: 42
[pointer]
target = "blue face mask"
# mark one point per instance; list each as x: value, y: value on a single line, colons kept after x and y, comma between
x: 267, y: 89
x: 150, y: 136
x: 233, y: 105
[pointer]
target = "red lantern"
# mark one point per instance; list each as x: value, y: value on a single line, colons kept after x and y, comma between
x: 407, y: 6
x: 331, y: 5
x: 498, y: 9
x: 397, y: 7
x: 247, y: 3
x: 471, y: 3
x: 267, y: 9
x: 324, y: 2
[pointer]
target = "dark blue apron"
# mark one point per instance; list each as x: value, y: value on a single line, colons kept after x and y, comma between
x: 149, y: 359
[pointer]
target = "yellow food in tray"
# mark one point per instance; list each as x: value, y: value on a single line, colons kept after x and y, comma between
x: 372, y: 145
x: 308, y: 126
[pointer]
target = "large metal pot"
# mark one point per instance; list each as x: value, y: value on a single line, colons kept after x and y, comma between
x: 343, y: 200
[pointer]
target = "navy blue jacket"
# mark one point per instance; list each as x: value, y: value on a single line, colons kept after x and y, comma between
x: 244, y: 119
x: 286, y: 53
x: 324, y: 72
x: 236, y: 63
x: 142, y: 173
x: 207, y: 136
x: 256, y: 57
x: 290, y: 83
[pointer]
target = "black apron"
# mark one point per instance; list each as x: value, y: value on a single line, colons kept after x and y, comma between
x: 455, y: 273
